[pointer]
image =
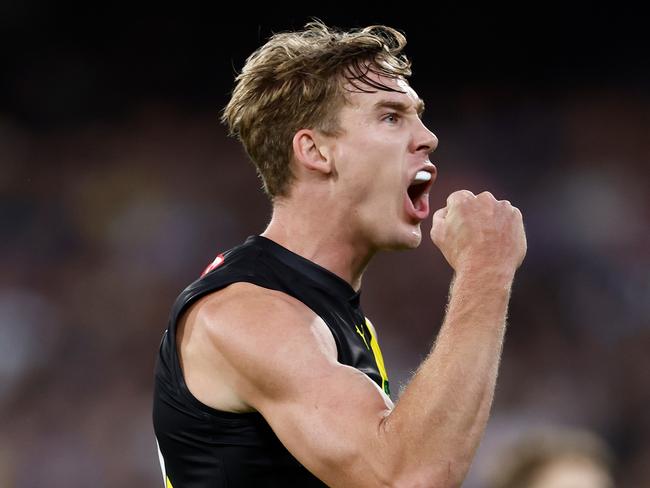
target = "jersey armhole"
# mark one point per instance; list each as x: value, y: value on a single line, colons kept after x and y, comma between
x: 178, y: 373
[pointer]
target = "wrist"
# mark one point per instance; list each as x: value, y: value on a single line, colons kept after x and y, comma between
x: 497, y: 275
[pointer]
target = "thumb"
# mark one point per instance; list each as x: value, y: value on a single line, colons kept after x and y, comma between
x: 438, y: 223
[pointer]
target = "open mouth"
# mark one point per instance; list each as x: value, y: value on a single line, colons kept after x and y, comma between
x: 418, y: 195
x: 416, y: 190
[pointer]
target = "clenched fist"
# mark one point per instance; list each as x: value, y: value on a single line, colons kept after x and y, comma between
x: 479, y: 232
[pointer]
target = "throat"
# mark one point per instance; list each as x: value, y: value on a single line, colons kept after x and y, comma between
x: 416, y: 191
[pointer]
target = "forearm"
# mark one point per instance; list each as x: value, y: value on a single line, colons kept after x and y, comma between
x: 434, y: 430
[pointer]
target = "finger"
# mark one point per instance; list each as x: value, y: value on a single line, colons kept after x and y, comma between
x: 459, y: 195
x: 441, y: 213
x: 486, y: 194
x: 437, y: 224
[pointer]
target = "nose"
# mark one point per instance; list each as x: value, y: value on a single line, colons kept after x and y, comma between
x: 424, y: 140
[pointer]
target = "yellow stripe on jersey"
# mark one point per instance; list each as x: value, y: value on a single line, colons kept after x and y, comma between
x: 363, y: 336
x: 168, y: 484
x: 379, y: 359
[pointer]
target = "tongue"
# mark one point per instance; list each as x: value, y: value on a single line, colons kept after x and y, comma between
x: 417, y: 208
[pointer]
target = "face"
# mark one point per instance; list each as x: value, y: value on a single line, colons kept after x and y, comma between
x: 382, y: 164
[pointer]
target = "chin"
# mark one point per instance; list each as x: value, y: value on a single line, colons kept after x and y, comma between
x: 414, y: 238
x: 410, y: 238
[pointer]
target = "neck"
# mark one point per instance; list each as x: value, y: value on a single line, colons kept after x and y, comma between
x: 322, y: 234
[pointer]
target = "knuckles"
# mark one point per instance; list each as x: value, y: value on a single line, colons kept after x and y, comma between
x: 460, y: 196
x: 485, y: 204
x: 486, y: 195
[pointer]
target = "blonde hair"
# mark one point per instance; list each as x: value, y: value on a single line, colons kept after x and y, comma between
x: 296, y: 80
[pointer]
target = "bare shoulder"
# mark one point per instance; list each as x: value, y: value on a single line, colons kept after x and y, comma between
x: 247, y: 299
x: 244, y: 310
x: 247, y: 339
x: 245, y: 330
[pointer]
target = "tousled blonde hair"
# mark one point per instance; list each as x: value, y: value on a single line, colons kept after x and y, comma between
x: 298, y: 80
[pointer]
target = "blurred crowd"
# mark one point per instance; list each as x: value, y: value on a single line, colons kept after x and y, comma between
x: 102, y: 225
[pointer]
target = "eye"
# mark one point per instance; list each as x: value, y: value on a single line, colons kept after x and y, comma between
x: 391, y: 118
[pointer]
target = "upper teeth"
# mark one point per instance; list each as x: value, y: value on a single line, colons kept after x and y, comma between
x: 422, y: 176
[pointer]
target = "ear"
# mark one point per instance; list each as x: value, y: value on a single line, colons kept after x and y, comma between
x: 311, y: 151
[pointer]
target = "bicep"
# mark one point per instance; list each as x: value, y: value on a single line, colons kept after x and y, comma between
x: 328, y: 415
x: 329, y: 419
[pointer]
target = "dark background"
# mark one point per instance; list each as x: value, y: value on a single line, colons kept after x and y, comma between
x: 68, y: 67
x: 118, y: 185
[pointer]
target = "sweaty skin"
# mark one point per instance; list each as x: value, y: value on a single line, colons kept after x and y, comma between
x: 246, y: 348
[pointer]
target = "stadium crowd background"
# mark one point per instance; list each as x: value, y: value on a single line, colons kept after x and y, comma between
x: 118, y: 186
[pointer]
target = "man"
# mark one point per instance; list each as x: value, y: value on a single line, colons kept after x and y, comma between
x: 270, y: 374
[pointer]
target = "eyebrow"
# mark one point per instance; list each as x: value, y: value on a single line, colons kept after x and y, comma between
x: 400, y: 106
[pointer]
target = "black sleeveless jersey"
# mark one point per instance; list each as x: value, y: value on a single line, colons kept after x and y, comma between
x: 201, y: 447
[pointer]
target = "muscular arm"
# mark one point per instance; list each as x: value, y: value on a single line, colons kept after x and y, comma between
x: 441, y: 415
x: 280, y: 359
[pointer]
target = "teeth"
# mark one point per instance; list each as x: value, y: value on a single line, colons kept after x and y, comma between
x: 422, y: 176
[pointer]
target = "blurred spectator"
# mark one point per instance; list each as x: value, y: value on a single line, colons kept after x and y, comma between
x: 555, y: 458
